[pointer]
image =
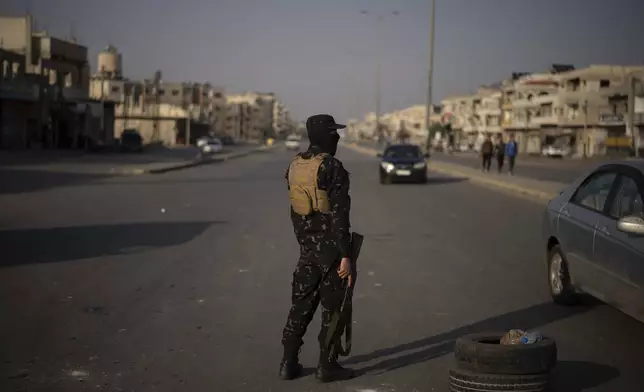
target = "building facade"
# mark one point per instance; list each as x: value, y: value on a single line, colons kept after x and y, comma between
x: 57, y: 72
x: 261, y: 110
x: 167, y: 113
x: 583, y: 109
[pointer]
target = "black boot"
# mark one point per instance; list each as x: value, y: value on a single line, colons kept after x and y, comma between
x: 290, y: 367
x: 330, y: 370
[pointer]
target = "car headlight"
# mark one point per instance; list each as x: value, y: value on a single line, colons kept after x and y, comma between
x: 419, y: 165
x: 387, y: 166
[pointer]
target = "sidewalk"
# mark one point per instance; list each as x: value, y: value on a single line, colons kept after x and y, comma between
x: 543, y: 190
x: 148, y: 162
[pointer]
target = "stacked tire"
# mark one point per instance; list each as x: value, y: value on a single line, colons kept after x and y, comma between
x: 482, y: 364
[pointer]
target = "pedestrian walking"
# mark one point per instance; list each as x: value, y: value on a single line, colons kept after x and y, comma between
x: 499, y: 151
x: 487, y: 150
x: 320, y: 203
x: 511, y: 151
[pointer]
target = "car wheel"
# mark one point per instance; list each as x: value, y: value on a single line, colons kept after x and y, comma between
x: 561, y: 289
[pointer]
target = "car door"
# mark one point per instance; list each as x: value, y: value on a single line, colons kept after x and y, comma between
x: 577, y: 221
x: 620, y: 254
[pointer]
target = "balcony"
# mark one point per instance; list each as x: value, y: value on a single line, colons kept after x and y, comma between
x: 546, y: 99
x: 486, y: 111
x: 524, y: 103
x: 523, y: 124
x: 612, y: 119
x: 551, y: 119
x: 490, y: 128
x: 573, y: 95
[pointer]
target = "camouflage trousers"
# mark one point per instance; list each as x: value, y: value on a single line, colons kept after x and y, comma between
x: 314, y: 282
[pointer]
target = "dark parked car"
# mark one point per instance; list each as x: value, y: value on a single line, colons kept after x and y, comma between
x: 131, y: 140
x: 594, y: 238
x: 403, y: 162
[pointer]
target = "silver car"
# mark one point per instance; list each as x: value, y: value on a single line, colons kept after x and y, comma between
x: 594, y: 238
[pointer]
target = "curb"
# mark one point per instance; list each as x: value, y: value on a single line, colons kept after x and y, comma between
x: 187, y: 165
x: 450, y: 170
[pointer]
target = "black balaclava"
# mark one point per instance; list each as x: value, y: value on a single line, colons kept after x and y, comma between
x: 323, y: 137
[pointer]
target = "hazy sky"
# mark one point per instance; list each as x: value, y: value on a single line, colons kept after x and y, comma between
x: 319, y: 55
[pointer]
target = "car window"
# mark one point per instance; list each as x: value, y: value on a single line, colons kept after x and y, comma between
x: 628, y: 200
x: 594, y: 192
x: 402, y: 152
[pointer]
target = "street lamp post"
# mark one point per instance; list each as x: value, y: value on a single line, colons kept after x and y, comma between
x: 379, y: 18
x: 632, y: 84
x: 430, y: 68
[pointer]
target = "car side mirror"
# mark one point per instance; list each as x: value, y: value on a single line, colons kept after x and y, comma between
x: 379, y: 155
x: 631, y: 224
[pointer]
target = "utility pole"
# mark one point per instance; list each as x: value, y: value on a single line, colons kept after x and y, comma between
x: 430, y: 68
x: 586, y: 138
x: 632, y: 83
x: 379, y: 17
x: 378, y: 28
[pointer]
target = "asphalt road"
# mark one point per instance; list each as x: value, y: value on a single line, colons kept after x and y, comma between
x: 544, y: 169
x: 181, y: 282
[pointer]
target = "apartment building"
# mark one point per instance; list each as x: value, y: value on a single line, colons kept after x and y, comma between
x: 530, y: 109
x: 487, y: 112
x: 162, y: 112
x: 63, y: 61
x: 281, y: 119
x: 261, y: 108
x: 21, y: 103
x: 458, y: 111
x: 581, y: 108
x: 58, y: 69
x: 239, y: 121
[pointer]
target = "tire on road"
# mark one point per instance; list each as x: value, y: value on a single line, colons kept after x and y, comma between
x: 562, y: 293
x: 483, y: 353
x: 466, y: 381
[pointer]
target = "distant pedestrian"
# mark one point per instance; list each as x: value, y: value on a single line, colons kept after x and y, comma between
x: 511, y: 151
x: 499, y: 151
x: 487, y: 150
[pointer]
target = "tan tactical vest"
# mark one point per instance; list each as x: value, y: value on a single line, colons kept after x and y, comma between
x: 303, y: 186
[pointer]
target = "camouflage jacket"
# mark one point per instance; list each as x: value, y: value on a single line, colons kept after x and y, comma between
x: 326, y: 235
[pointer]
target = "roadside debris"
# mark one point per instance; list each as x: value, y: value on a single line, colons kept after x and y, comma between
x: 519, y: 336
x: 510, y: 361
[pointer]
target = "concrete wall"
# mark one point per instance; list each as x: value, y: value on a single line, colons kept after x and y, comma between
x: 14, y: 33
x: 166, y: 134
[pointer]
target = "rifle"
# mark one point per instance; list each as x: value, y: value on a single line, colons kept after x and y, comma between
x: 341, y: 322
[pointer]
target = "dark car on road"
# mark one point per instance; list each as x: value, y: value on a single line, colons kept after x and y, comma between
x: 403, y: 162
x: 593, y: 235
x: 131, y: 140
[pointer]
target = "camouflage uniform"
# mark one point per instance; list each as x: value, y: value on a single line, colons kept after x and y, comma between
x: 324, y: 240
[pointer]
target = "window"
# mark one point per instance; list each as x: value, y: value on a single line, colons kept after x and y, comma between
x: 628, y: 200
x: 604, y: 83
x: 115, y: 89
x: 594, y: 191
x: 409, y: 151
x: 175, y: 92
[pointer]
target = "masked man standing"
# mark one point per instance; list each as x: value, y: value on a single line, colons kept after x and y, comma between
x: 319, y: 193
